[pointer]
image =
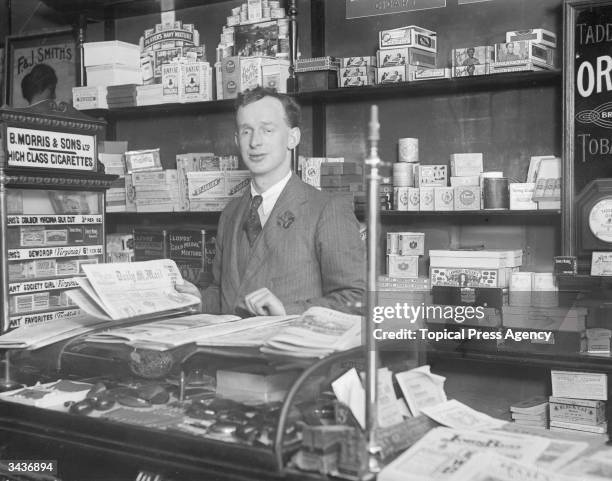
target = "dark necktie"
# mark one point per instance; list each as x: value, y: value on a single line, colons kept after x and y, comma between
x: 252, y: 226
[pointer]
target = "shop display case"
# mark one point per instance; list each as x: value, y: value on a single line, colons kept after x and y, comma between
x: 52, y: 209
x: 184, y: 434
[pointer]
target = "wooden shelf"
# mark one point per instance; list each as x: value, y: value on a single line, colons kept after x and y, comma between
x: 460, y: 85
x: 551, y: 360
x: 98, y: 10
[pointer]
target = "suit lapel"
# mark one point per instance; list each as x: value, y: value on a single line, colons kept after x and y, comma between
x: 234, y: 241
x: 289, y: 201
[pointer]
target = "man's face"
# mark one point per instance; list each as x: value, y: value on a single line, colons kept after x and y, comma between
x: 265, y: 138
x: 510, y: 48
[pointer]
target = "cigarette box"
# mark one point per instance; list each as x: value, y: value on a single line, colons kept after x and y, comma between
x: 411, y: 243
x: 44, y: 268
x: 67, y: 267
x: 359, y: 81
x: 465, y: 165
x: 30, y: 236
x: 467, y: 197
x: 237, y: 182
x: 93, y: 97
x: 483, y: 259
x: 358, y: 62
x: 577, y: 413
x: 479, y: 55
x: 356, y: 72
x: 405, y: 56
x: 402, y: 266
x: 275, y: 75
x: 426, y: 198
x: 430, y: 175
x: 520, y: 196
x: 425, y: 73
x: 593, y: 386
x: 20, y: 270
x: 110, y: 52
x: 414, y: 199
x: 203, y: 185
x: 512, y: 53
x: 469, y: 180
x: 195, y: 82
x: 444, y: 198
x: 504, y: 67
x: 470, y: 70
x: 139, y: 160
x: 537, y: 35
x: 470, y: 277
x: 410, y: 36
x: 388, y: 75
x: 56, y: 237
x: 393, y: 242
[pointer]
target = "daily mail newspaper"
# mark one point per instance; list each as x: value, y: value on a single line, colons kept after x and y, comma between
x: 132, y: 289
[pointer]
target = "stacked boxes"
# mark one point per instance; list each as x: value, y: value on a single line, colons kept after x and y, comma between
x: 198, y: 162
x: 403, y: 51
x: 310, y: 168
x: 357, y: 71
x: 242, y: 73
x: 532, y: 412
x: 465, y: 178
x: 342, y: 178
x: 403, y: 252
x: 578, y: 402
x: 111, y: 63
x: 111, y: 154
x: 156, y: 191
x: 184, y: 81
x: 166, y: 42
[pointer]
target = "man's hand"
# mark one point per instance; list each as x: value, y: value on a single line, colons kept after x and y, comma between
x: 188, y: 288
x: 263, y: 303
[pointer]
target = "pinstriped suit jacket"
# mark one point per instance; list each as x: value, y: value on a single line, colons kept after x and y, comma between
x: 316, y: 259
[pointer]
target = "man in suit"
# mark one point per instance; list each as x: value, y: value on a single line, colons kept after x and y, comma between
x: 283, y: 246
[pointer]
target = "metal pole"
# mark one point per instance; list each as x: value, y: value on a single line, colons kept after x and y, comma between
x: 373, y: 223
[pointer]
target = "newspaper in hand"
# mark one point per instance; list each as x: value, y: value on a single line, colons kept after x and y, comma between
x: 316, y: 333
x: 133, y: 289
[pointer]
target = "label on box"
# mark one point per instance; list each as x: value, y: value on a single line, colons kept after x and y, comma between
x: 424, y: 73
x: 389, y: 75
x: 411, y: 36
x: 574, y: 413
x: 402, y: 266
x: 601, y: 264
x: 142, y: 160
x: 470, y: 277
x: 467, y: 197
x: 358, y: 62
x: 579, y: 385
x: 479, y: 55
x: 520, y: 196
x: 430, y: 175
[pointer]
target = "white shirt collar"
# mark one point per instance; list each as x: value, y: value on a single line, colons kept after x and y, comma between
x: 270, y: 197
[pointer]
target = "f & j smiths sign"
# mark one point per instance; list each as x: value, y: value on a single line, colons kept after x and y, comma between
x: 369, y: 8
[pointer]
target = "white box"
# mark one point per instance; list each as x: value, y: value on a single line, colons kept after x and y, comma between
x: 111, y: 52
x: 414, y: 199
x: 444, y: 198
x: 171, y: 82
x: 390, y: 75
x: 579, y: 385
x: 470, y: 180
x: 465, y: 165
x: 358, y: 62
x: 195, y: 82
x: 93, y: 97
x: 520, y: 196
x: 113, y: 74
x: 275, y: 75
x: 425, y: 73
x: 478, y: 55
x: 393, y: 57
x: 204, y: 185
x: 538, y: 35
x: 402, y: 266
x: 482, y: 259
x: 426, y: 198
x: 410, y: 36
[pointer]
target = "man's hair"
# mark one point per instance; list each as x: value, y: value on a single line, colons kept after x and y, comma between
x: 293, y: 112
x: 40, y: 78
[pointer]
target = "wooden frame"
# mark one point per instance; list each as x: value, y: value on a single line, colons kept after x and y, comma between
x: 573, y: 151
x: 57, y: 48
